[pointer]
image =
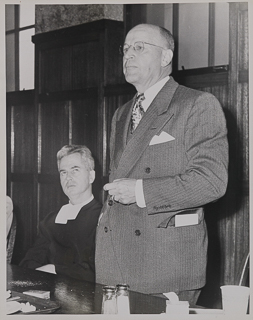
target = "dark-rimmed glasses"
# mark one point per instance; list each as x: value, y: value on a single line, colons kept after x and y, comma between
x: 138, y: 47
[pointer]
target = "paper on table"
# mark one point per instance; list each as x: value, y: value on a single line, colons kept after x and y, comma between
x: 12, y: 307
x: 50, y: 268
x: 38, y: 293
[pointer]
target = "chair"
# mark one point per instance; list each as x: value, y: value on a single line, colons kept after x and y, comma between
x: 11, y: 239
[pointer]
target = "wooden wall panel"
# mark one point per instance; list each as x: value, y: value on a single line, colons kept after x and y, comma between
x: 113, y: 64
x: 22, y: 132
x: 66, y: 72
x: 22, y: 194
x: 21, y: 143
x: 241, y: 182
x: 243, y: 37
x: 237, y: 242
x: 86, y: 65
x: 82, y: 67
x: 243, y: 130
x: 51, y: 64
x: 51, y: 197
x: 54, y: 119
x: 221, y: 93
x: 85, y: 130
x: 85, y: 123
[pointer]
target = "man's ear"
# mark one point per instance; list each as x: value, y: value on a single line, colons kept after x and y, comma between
x: 167, y: 56
x: 92, y: 176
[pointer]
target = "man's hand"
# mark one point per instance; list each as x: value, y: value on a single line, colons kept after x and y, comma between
x: 122, y: 190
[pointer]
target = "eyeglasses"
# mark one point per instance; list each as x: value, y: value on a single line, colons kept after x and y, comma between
x: 138, y: 46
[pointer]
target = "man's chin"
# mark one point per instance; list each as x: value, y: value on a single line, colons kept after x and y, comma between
x: 130, y: 79
x: 70, y: 191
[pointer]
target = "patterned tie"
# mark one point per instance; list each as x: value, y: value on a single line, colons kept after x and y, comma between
x: 137, y: 112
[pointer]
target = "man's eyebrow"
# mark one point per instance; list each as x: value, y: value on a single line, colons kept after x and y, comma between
x: 75, y: 167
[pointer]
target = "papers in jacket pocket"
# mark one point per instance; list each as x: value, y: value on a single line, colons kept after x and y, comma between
x: 183, y: 220
x: 161, y: 138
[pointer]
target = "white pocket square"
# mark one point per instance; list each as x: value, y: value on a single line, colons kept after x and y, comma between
x: 161, y: 138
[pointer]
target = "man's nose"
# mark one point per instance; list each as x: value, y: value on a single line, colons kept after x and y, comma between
x: 130, y: 53
x: 69, y: 176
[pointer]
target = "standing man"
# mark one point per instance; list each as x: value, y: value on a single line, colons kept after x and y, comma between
x: 152, y: 233
x: 66, y: 240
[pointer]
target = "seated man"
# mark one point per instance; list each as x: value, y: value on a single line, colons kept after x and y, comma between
x: 66, y: 240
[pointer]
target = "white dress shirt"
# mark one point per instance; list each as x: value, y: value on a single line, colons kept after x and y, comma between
x: 149, y: 95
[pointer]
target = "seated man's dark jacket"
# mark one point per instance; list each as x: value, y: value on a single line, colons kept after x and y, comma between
x: 70, y: 247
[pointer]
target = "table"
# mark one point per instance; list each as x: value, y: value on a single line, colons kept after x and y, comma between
x: 76, y: 296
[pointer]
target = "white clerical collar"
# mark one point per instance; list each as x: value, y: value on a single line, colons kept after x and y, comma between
x: 70, y: 211
x: 151, y: 92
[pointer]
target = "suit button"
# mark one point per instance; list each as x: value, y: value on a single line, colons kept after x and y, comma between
x: 110, y: 202
x: 147, y: 170
x: 106, y: 229
x: 137, y: 232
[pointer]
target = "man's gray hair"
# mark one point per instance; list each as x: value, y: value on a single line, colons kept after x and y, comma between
x: 165, y: 34
x: 168, y: 37
x: 82, y: 150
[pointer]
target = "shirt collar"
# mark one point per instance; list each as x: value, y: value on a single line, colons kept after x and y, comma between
x: 70, y: 211
x: 151, y: 92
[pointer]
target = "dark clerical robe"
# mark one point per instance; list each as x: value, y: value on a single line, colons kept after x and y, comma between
x: 70, y: 247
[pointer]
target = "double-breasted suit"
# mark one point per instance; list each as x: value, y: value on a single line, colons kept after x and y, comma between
x: 180, y: 152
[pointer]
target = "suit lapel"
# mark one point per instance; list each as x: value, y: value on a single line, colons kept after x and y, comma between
x: 157, y: 115
x: 121, y: 132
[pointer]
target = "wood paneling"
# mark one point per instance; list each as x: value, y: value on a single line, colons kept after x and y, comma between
x: 22, y: 194
x: 85, y: 123
x: 81, y: 67
x: 22, y: 135
x: 203, y: 78
x: 54, y: 124
x: 113, y: 71
x: 21, y: 143
x: 87, y: 66
x: 51, y: 197
x: 237, y: 240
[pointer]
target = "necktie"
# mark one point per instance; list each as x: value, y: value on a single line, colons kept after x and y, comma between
x: 137, y: 112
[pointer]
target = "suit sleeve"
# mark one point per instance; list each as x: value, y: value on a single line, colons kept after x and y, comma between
x: 37, y: 255
x: 205, y: 176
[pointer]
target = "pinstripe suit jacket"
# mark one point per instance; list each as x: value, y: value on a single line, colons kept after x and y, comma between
x: 142, y: 246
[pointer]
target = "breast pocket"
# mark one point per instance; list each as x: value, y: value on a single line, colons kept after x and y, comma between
x: 165, y: 158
